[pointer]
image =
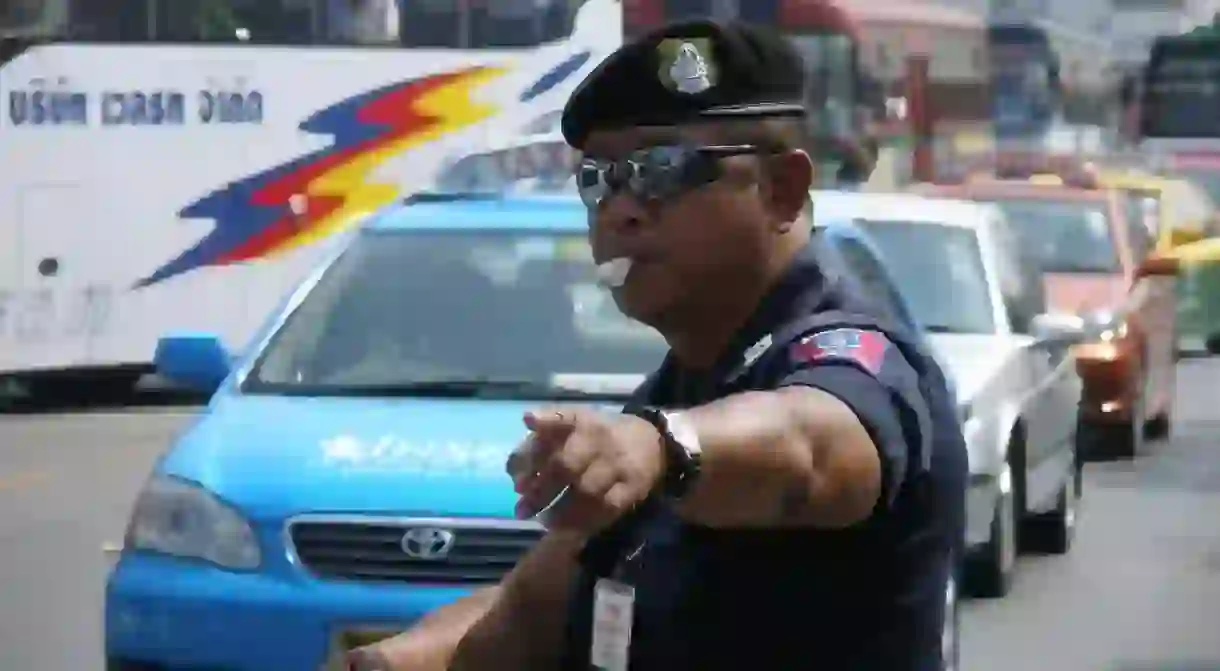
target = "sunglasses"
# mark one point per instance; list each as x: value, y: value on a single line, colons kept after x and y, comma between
x: 655, y: 173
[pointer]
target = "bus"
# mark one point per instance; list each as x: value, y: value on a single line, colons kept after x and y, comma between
x: 180, y: 164
x: 1178, y: 111
x: 838, y: 87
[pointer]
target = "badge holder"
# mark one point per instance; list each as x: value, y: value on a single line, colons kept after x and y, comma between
x: 613, y: 606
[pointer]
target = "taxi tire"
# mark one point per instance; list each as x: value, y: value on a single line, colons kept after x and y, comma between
x: 1159, y: 427
x: 1136, y: 435
x: 1109, y: 441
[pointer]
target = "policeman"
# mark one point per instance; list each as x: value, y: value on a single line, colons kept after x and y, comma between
x: 786, y: 490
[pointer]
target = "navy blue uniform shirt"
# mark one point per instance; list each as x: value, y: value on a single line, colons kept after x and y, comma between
x: 866, y: 598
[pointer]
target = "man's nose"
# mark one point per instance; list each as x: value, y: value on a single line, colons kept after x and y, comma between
x: 620, y: 213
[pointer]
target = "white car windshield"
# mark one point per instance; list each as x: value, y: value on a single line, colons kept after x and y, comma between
x: 458, y: 310
x: 1064, y: 236
x: 940, y: 271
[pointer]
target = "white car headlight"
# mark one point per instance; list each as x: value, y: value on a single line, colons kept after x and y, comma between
x: 179, y: 518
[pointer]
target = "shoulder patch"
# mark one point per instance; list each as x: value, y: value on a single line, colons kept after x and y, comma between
x: 866, y: 349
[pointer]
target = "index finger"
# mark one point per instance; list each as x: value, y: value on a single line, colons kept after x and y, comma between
x: 551, y: 424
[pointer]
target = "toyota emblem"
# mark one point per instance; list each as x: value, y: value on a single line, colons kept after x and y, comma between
x: 428, y: 543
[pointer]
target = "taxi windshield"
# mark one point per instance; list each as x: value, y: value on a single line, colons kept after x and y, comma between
x: 1065, y: 237
x: 515, y: 314
x: 944, y: 282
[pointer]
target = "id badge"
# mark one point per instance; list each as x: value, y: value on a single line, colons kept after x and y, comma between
x: 613, y: 603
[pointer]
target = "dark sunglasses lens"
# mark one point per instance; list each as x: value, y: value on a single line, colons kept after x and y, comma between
x: 659, y: 172
x: 656, y: 173
x: 591, y: 183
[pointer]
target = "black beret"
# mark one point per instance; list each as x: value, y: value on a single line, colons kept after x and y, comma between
x: 687, y: 71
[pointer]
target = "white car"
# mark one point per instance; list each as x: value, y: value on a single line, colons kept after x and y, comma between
x: 984, y: 311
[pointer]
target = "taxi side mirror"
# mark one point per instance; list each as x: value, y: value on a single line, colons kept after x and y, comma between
x: 1157, y: 266
x: 198, y: 361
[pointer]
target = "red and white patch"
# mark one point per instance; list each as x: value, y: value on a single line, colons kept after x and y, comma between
x: 865, y: 348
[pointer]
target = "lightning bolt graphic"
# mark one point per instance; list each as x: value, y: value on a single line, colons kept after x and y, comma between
x: 254, y: 217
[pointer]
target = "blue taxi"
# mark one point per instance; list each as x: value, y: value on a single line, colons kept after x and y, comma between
x: 347, y: 475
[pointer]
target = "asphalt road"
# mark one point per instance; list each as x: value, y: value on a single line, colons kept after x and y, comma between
x: 1140, y: 591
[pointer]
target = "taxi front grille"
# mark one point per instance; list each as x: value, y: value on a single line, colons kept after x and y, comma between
x: 411, y: 550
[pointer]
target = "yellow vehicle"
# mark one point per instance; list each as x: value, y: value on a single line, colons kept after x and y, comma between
x: 1185, y: 231
x: 1177, y: 211
x: 1198, y: 312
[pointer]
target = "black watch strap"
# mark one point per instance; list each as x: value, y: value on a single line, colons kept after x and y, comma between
x: 682, y: 463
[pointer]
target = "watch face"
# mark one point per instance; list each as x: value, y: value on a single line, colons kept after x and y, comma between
x: 682, y: 454
x: 683, y: 432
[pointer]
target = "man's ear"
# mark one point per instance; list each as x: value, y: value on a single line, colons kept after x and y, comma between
x: 790, y: 177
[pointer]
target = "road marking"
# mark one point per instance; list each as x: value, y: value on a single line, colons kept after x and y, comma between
x: 22, y: 480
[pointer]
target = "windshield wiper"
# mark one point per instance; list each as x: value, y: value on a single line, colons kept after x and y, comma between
x: 940, y: 328
x: 473, y: 387
x: 1082, y: 270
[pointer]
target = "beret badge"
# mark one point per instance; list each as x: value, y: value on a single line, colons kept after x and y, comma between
x: 684, y: 66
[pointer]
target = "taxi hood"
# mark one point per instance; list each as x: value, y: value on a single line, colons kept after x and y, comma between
x: 1076, y: 293
x: 274, y: 457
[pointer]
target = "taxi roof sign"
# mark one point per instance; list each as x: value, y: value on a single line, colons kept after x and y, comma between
x: 537, y: 163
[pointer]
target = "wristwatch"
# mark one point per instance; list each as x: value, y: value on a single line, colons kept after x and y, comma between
x: 683, y: 454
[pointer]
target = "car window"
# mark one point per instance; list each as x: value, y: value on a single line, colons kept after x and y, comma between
x: 1140, y: 211
x: 1064, y: 236
x: 400, y: 307
x: 1020, y: 279
x: 866, y: 269
x: 940, y: 270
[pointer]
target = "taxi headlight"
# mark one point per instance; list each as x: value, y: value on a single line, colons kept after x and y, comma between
x: 179, y: 518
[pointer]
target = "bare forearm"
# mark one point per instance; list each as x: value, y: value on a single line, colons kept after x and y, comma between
x: 524, y: 629
x: 751, y: 450
x: 430, y: 644
x: 492, y: 628
x: 794, y: 457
